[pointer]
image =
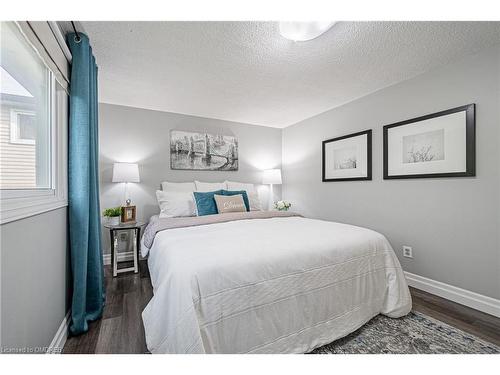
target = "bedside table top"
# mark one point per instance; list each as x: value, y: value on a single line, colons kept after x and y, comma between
x: 136, y: 224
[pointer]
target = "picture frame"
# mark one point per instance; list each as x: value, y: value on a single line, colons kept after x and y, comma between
x: 347, y: 158
x: 200, y: 151
x: 128, y: 214
x: 440, y: 144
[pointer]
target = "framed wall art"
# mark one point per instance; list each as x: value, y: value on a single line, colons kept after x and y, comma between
x: 441, y: 144
x: 203, y: 151
x: 348, y: 158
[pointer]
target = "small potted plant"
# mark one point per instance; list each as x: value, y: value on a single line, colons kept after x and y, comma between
x: 112, y: 215
x: 282, y: 205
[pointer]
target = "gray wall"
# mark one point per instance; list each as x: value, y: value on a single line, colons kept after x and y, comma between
x: 34, y: 279
x: 143, y: 136
x: 451, y: 223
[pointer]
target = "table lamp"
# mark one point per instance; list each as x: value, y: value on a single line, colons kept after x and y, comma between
x: 271, y: 177
x: 126, y: 172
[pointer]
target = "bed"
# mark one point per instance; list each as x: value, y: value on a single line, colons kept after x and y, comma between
x: 265, y: 282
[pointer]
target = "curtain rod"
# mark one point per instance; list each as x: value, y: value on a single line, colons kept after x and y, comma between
x: 77, y: 38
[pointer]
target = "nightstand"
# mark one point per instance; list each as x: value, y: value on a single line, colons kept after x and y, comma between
x: 113, y: 231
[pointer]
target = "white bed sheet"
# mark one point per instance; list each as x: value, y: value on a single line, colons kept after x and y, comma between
x: 280, y: 285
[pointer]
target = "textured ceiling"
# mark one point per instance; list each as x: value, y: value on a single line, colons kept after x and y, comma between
x: 246, y: 72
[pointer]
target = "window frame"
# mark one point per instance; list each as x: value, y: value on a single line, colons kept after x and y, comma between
x: 16, y: 204
x: 14, y: 127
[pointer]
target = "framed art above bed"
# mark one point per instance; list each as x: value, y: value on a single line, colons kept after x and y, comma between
x: 348, y: 158
x: 441, y: 144
x: 203, y: 151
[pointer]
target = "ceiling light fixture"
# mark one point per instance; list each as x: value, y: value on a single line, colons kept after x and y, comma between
x: 302, y: 31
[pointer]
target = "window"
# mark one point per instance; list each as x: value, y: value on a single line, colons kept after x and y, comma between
x: 22, y: 127
x: 33, y: 121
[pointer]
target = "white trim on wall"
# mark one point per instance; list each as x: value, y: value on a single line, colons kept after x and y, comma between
x: 42, y: 38
x: 54, y: 27
x: 464, y: 297
x: 57, y: 344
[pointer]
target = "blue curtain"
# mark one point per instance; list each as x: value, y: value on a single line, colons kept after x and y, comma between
x: 84, y: 212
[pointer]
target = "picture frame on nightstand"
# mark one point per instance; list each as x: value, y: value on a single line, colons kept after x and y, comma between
x: 128, y: 214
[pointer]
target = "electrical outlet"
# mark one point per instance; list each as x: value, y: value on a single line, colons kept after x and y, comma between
x: 407, y: 252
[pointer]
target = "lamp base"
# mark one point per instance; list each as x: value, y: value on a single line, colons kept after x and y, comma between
x: 271, y: 197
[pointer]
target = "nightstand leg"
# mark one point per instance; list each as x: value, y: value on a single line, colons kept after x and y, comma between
x: 138, y: 244
x: 115, y: 254
x: 111, y: 244
x: 136, y: 261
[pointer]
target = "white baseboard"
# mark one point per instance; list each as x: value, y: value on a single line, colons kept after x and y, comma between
x: 464, y: 297
x: 57, y: 344
x: 124, y: 256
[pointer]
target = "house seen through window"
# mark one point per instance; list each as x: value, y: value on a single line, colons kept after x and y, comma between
x: 25, y: 117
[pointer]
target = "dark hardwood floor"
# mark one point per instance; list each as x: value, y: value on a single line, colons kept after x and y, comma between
x: 475, y: 322
x: 121, y: 330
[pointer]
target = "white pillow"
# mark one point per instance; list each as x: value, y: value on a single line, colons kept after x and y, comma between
x: 178, y: 186
x: 176, y: 203
x: 209, y: 186
x: 254, y: 201
x: 232, y: 185
x: 253, y: 195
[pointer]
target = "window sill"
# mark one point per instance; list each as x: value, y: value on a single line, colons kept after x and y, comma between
x: 21, y: 208
x: 20, y: 141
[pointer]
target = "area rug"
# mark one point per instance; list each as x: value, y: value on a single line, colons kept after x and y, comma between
x: 415, y: 333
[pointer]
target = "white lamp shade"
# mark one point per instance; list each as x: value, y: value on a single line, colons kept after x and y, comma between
x: 272, y: 176
x: 126, y: 172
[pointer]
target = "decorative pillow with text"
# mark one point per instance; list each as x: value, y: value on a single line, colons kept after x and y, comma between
x: 230, y: 203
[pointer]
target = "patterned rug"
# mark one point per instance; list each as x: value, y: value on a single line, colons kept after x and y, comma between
x: 415, y: 333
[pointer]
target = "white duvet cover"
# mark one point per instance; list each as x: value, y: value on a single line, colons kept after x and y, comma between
x: 279, y: 285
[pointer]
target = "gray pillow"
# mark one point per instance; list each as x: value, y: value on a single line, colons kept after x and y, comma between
x: 230, y: 203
